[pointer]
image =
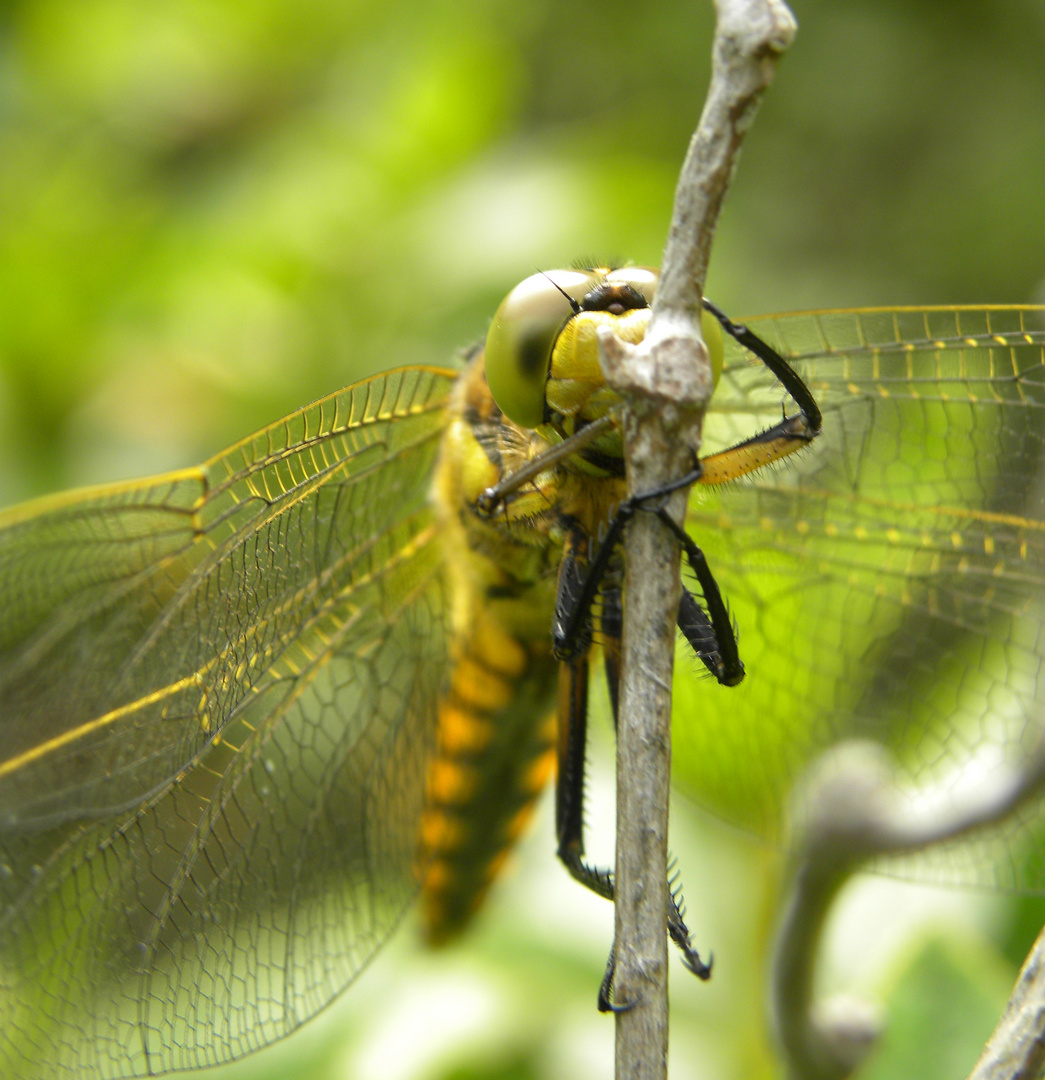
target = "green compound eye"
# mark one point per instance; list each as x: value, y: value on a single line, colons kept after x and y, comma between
x: 643, y: 279
x: 521, y: 336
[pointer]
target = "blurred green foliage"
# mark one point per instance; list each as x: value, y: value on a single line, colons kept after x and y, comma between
x: 213, y: 212
x: 947, y: 987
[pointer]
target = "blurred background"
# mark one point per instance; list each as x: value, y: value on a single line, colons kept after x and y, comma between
x: 214, y: 212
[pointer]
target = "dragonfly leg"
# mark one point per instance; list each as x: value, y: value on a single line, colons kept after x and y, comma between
x: 569, y: 783
x: 569, y: 801
x: 791, y: 434
x: 605, y: 1000
x: 710, y: 633
x: 679, y: 933
x: 611, y: 623
x: 697, y: 629
x: 571, y: 632
x: 784, y: 372
x: 575, y: 593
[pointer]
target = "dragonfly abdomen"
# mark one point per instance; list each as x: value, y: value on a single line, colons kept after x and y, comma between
x: 495, y: 755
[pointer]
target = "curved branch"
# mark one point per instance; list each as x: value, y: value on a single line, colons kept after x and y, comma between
x: 853, y: 810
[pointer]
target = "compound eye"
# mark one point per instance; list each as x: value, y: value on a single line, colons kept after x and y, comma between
x: 643, y: 279
x: 521, y: 338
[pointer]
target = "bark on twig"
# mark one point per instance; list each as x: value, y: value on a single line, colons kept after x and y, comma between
x: 667, y: 382
x: 1016, y: 1050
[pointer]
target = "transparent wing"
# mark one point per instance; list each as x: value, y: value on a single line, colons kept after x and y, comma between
x: 217, y: 698
x: 889, y: 581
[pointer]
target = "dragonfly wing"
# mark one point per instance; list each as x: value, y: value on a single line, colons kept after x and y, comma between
x: 889, y: 581
x: 279, y: 675
x: 83, y: 578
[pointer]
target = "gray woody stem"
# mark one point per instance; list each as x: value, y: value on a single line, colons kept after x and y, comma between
x: 666, y: 381
x: 1016, y: 1050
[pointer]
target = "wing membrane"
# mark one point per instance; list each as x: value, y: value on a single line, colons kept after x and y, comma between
x: 889, y: 581
x: 209, y: 816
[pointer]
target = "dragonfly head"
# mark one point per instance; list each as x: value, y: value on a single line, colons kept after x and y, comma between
x: 542, y: 352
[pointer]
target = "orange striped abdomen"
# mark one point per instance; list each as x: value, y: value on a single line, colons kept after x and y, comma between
x: 495, y: 755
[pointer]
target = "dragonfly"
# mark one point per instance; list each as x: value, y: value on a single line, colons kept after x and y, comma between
x: 250, y: 710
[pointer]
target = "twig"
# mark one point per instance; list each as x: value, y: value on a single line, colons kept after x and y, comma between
x: 853, y: 811
x: 1016, y: 1050
x: 666, y: 381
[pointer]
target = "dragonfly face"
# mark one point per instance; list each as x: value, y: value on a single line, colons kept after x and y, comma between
x: 248, y: 710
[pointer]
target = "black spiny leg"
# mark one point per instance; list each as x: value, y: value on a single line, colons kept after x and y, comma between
x: 677, y: 930
x: 611, y: 623
x: 569, y: 783
x: 573, y: 725
x: 709, y: 633
x: 571, y: 627
x: 697, y: 630
x: 572, y: 639
x: 785, y: 374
